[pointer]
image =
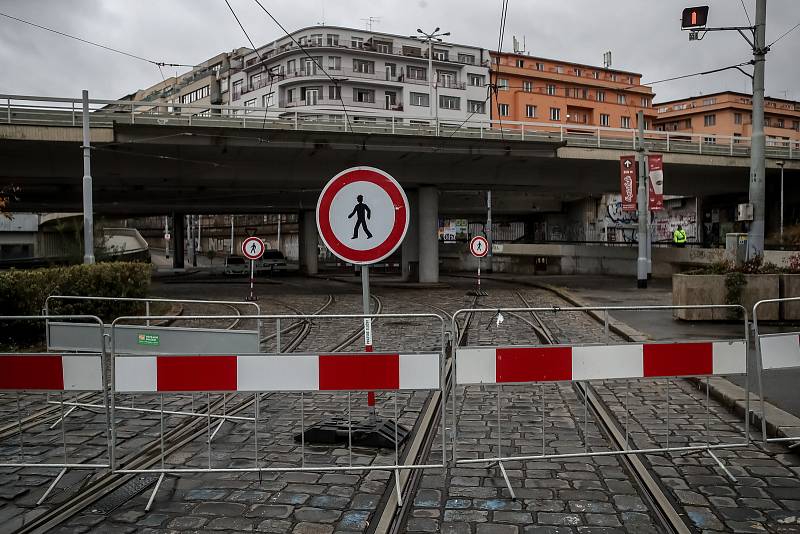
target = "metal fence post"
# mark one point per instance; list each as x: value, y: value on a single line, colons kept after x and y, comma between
x: 523, y: 132
x: 73, y: 113
x: 133, y: 119
x: 598, y: 137
x: 667, y: 141
x: 560, y: 131
x: 296, y: 125
x: 731, y: 145
x: 481, y: 129
x: 700, y: 143
x: 392, y: 124
x: 8, y: 109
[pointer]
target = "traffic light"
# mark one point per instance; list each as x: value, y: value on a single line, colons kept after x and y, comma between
x: 694, y: 17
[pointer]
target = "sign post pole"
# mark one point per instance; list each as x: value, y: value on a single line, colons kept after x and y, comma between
x: 367, y: 330
x: 252, y: 249
x: 479, y: 247
x: 252, y: 273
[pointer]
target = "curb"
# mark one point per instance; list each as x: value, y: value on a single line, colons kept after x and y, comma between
x: 779, y: 423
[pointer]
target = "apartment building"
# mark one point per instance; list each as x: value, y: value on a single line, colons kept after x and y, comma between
x: 535, y: 89
x: 208, y: 83
x: 730, y: 114
x: 378, y: 75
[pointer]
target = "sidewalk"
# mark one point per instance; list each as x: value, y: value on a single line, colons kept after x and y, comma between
x: 598, y: 290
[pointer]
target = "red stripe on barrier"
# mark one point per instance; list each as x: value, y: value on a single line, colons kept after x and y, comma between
x: 356, y: 372
x: 196, y: 373
x: 534, y: 364
x: 678, y: 359
x: 36, y: 371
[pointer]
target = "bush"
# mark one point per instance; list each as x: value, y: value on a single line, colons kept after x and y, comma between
x: 755, y: 265
x: 23, y: 292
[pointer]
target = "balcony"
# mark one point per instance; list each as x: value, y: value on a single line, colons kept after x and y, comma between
x: 336, y: 104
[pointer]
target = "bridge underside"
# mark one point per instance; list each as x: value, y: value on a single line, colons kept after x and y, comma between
x: 160, y: 169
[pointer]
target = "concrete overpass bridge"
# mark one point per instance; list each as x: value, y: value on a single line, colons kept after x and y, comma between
x: 150, y: 160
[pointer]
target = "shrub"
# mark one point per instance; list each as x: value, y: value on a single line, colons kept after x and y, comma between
x: 23, y: 292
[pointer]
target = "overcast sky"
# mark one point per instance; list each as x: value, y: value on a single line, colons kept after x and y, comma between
x: 643, y: 35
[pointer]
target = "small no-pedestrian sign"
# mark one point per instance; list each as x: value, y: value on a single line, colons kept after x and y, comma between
x: 253, y: 248
x: 479, y: 246
x: 362, y: 215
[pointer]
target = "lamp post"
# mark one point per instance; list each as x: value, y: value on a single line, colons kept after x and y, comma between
x: 430, y: 37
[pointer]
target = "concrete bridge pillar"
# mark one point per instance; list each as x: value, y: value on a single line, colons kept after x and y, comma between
x: 178, y: 235
x: 428, y: 238
x: 309, y: 243
x: 409, y: 251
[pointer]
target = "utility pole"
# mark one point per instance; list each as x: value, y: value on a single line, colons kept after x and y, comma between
x: 88, y: 207
x: 641, y: 263
x: 781, y: 164
x: 758, y: 145
x: 489, y: 228
x: 430, y: 37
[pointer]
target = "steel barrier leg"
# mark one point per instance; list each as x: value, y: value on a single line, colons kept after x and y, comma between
x: 155, y: 490
x: 65, y: 415
x: 668, y: 400
x: 224, y: 412
x: 722, y: 466
x: 500, y: 446
x: 19, y: 431
x: 302, y: 429
x: 396, y: 456
x: 627, y: 412
x: 51, y: 487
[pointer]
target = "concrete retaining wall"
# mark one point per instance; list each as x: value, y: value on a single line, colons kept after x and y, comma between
x: 688, y: 290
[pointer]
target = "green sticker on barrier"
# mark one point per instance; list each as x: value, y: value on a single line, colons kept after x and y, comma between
x: 149, y: 339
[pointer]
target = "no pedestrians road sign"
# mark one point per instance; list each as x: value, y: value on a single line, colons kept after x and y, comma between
x: 362, y: 215
x: 253, y: 248
x: 479, y: 246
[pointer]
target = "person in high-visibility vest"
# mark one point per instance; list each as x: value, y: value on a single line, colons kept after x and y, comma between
x: 679, y: 237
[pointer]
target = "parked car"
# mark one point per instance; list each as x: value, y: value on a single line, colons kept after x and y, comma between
x: 236, y: 265
x: 272, y: 262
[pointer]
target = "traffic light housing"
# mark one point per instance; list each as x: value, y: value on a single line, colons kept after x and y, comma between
x: 694, y: 17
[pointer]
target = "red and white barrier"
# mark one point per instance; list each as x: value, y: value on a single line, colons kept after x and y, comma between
x: 501, y: 365
x: 51, y: 372
x: 266, y: 372
x: 779, y: 351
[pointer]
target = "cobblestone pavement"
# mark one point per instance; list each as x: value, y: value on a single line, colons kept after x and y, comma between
x: 575, y: 495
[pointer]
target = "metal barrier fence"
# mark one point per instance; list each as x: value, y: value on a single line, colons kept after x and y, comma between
x: 775, y: 351
x: 31, y: 374
x: 495, y: 366
x: 141, y: 339
x: 258, y: 373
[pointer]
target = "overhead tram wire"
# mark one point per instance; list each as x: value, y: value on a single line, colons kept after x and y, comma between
x: 746, y: 14
x: 321, y: 68
x: 784, y: 34
x: 496, y: 88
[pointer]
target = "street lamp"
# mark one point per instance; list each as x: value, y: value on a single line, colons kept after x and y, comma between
x: 781, y: 164
x: 430, y: 38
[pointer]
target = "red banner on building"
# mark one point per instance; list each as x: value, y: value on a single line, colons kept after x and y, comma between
x: 627, y: 168
x: 655, y: 188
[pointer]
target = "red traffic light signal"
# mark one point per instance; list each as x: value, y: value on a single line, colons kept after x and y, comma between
x: 694, y: 17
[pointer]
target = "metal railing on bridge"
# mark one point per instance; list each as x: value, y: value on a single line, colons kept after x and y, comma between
x: 55, y: 111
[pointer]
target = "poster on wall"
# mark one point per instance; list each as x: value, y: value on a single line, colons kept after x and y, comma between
x: 627, y: 169
x: 655, y: 189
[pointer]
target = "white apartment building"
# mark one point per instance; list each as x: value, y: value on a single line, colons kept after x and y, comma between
x: 378, y: 75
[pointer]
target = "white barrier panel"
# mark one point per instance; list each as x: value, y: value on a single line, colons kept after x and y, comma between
x: 266, y: 373
x: 779, y: 351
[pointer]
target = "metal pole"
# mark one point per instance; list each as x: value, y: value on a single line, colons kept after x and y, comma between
x: 252, y: 273
x: 430, y: 74
x: 88, y: 209
x: 278, y: 243
x: 367, y: 329
x: 781, y: 164
x: 489, y: 229
x: 166, y: 232
x: 641, y: 263
x: 232, y: 237
x: 755, y: 236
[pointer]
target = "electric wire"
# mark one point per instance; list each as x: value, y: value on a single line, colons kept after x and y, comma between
x: 784, y: 34
x: 86, y: 41
x: 746, y: 14
x: 497, y: 71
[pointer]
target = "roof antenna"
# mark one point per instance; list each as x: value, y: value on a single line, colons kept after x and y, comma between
x: 322, y: 5
x: 369, y: 21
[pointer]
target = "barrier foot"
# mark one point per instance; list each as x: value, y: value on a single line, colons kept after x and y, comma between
x: 722, y: 466
x: 397, y: 487
x: 795, y: 445
x: 508, y: 482
x: 153, y: 495
x: 58, y: 421
x: 52, y: 487
x: 216, y: 430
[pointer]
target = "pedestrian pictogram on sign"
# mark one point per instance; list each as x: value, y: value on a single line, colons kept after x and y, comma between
x: 253, y: 248
x: 362, y: 215
x: 479, y: 246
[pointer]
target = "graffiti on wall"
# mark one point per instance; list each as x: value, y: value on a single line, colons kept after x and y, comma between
x: 622, y: 226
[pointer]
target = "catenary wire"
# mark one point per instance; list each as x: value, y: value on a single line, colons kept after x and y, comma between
x: 746, y: 14
x: 784, y: 34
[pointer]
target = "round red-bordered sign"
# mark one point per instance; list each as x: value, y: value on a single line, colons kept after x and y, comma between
x: 362, y: 215
x: 253, y: 248
x: 479, y: 246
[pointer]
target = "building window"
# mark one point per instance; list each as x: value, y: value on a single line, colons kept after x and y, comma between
x: 254, y: 79
x: 334, y: 63
x: 216, y: 67
x: 419, y: 99
x: 364, y: 67
x: 195, y: 95
x: 315, y: 39
x: 645, y: 102
x: 334, y: 92
x: 555, y: 114
x: 600, y: 96
x: 737, y: 138
x: 551, y: 90
x: 417, y: 73
x: 795, y: 125
x: 503, y: 110
x: 477, y: 80
x: 559, y: 69
x: 530, y: 111
x: 237, y: 89
x: 249, y: 104
x: 737, y: 118
x: 476, y: 106
x: 290, y: 95
x: 710, y: 140
x: 620, y: 99
x: 605, y: 120
x: 469, y: 59
x: 709, y: 120
x: 356, y: 42
x: 624, y: 122
x: 540, y: 66
x: 333, y: 39
x: 780, y: 123
x: 268, y: 100
x: 446, y: 78
x: 612, y: 77
x: 596, y: 75
x: 520, y: 63
x: 577, y: 72
x: 382, y: 47
x: 502, y: 84
x: 687, y: 123
x: 291, y: 67
x: 709, y: 101
x: 527, y: 87
x: 364, y: 95
x: 449, y: 102
x: 302, y: 40
x: 440, y: 55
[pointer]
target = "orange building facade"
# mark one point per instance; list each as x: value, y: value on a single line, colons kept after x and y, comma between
x: 730, y: 114
x: 534, y: 89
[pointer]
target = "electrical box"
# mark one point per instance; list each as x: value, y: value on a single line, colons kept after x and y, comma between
x: 736, y: 248
x: 744, y: 212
